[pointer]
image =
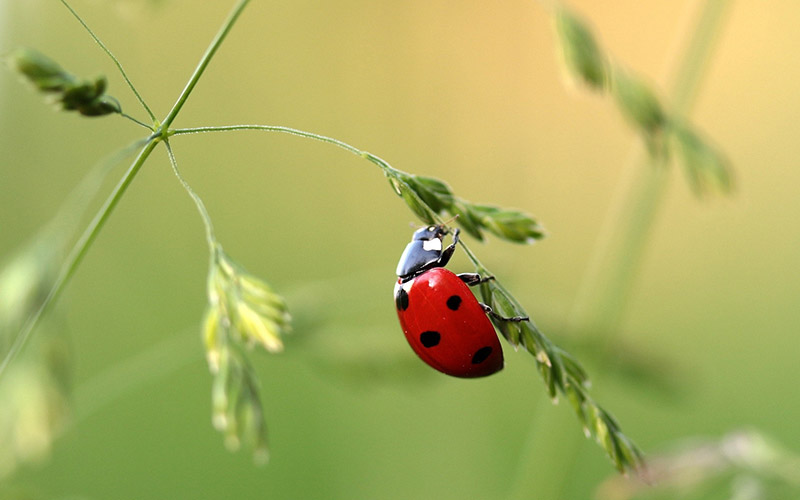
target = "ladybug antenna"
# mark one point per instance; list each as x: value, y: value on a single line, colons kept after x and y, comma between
x: 450, y: 220
x: 445, y: 223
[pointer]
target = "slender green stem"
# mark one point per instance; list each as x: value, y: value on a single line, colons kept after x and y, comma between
x: 317, y: 137
x: 272, y: 128
x: 601, y: 301
x: 113, y: 58
x: 698, y: 55
x: 73, y: 210
x: 137, y: 122
x: 201, y: 66
x: 78, y: 252
x: 210, y: 238
x: 293, y: 131
x: 604, y: 293
x: 620, y: 248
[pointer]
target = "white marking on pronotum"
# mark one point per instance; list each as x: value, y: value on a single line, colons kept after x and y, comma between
x: 432, y: 245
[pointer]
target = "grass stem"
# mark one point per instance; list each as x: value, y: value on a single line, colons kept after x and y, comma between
x: 203, y: 64
x: 78, y: 252
x: 621, y: 246
x: 113, y: 58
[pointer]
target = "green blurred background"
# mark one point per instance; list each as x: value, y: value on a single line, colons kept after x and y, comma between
x: 470, y: 92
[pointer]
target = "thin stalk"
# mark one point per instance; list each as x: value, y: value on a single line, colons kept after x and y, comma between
x: 271, y: 128
x: 322, y: 138
x: 113, y: 58
x: 136, y: 121
x: 687, y: 79
x: 606, y: 288
x: 201, y: 66
x: 328, y: 140
x: 608, y: 282
x: 388, y: 169
x: 201, y: 207
x: 78, y: 252
x: 77, y: 203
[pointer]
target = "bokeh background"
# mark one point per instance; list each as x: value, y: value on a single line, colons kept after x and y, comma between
x: 470, y: 92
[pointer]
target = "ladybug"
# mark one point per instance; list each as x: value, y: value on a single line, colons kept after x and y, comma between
x: 442, y: 320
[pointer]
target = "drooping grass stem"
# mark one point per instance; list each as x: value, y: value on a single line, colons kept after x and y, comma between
x: 321, y: 138
x: 201, y: 207
x: 271, y: 128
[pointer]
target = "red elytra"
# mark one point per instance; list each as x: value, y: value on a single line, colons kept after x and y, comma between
x: 446, y: 326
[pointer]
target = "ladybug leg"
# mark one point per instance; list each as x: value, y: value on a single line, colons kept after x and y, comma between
x: 515, y: 319
x: 472, y: 279
x: 444, y: 258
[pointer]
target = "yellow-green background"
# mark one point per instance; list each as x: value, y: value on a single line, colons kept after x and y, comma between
x: 468, y: 91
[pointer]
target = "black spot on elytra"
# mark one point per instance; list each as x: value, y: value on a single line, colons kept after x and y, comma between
x: 454, y: 302
x: 429, y: 338
x: 401, y: 299
x: 481, y: 355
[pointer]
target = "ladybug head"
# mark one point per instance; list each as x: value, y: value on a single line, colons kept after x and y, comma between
x: 429, y: 233
x: 424, y: 252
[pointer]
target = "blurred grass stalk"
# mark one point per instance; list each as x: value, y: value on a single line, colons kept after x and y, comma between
x: 606, y: 287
